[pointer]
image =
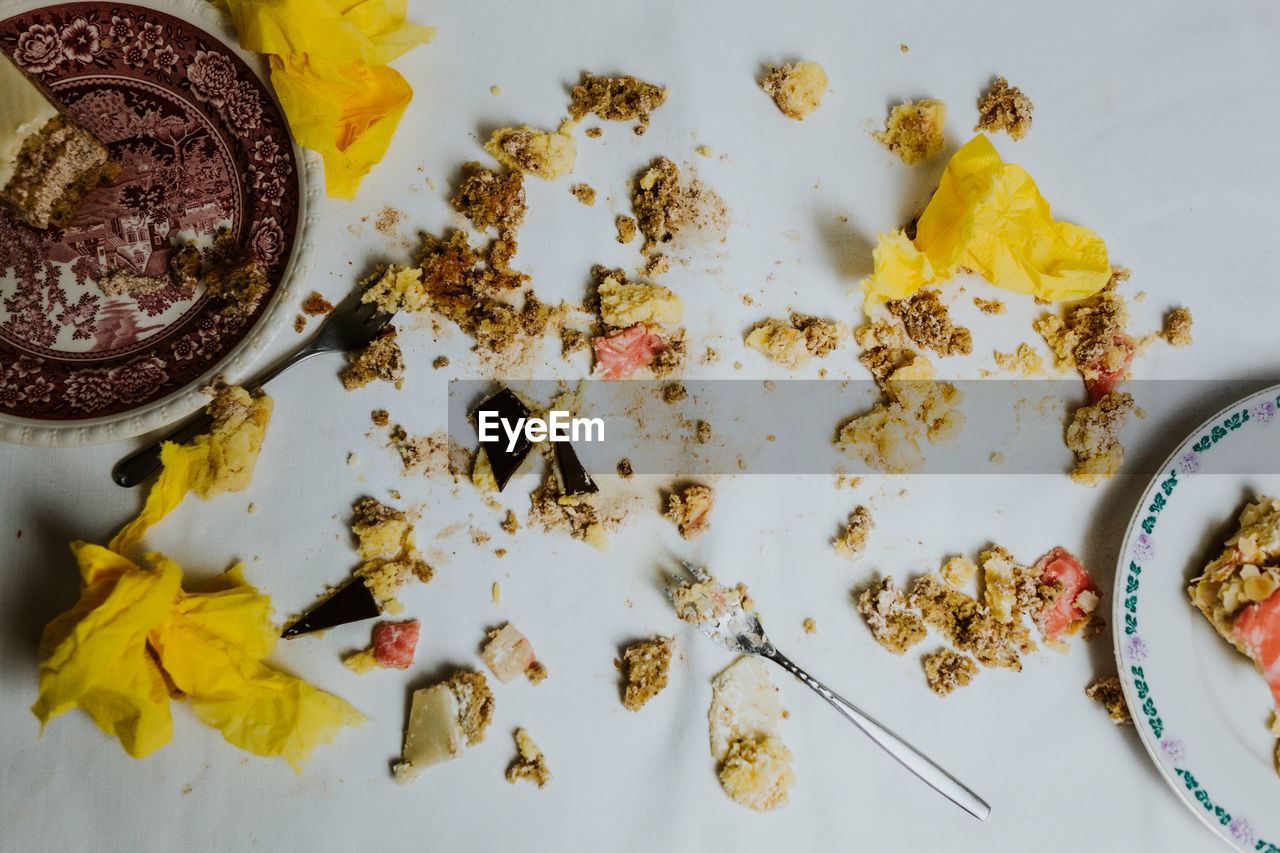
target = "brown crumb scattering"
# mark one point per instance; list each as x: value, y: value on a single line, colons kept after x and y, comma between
x: 665, y: 203
x: 491, y: 199
x: 913, y: 130
x: 892, y: 623
x: 388, y: 219
x: 554, y: 513
x: 1094, y: 436
x: 1108, y: 693
x: 702, y: 432
x: 584, y: 194
x: 626, y: 229
x: 968, y: 627
x: 572, y: 340
x: 1024, y: 360
x: 945, y: 670
x: 315, y: 305
x: 646, y: 665
x: 624, y: 469
x: 1005, y: 108
x: 380, y: 417
x: 927, y: 321
x: 657, y: 265
x: 854, y: 539
x: 381, y: 359
x: 232, y: 274
x: 510, y: 524
x: 1177, y: 327
x: 594, y: 132
x: 796, y: 89
x: 299, y: 324
x: 674, y: 392
x: 989, y: 306
x: 689, y: 509
x: 440, y: 362
x: 615, y: 98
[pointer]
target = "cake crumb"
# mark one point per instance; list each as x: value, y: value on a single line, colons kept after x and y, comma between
x: 989, y: 306
x: 945, y: 670
x: 647, y: 663
x: 853, y: 541
x: 674, y: 392
x: 381, y: 359
x: 810, y: 627
x: 913, y: 130
x: 510, y: 524
x: 1108, y: 693
x: 927, y: 321
x: 546, y: 154
x: 315, y: 305
x: 536, y: 673
x: 624, y: 469
x: 892, y: 623
x: 388, y: 219
x: 792, y: 345
x: 1024, y: 360
x: 529, y: 762
x: 595, y: 132
x: 495, y: 91
x: 491, y: 199
x: 705, y: 151
x: 1005, y: 108
x: 352, y: 460
x: 903, y: 48
x: 1093, y: 436
x: 300, y: 324
x: 380, y: 417
x: 957, y: 571
x: 702, y: 432
x: 626, y: 229
x: 796, y: 89
x: 584, y: 194
x: 621, y: 98
x: 1177, y: 327
x: 689, y: 509
x: 440, y: 362
x: 251, y: 509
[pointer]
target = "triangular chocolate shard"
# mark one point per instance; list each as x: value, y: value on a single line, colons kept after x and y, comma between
x: 511, y: 411
x: 352, y: 602
x: 574, y: 479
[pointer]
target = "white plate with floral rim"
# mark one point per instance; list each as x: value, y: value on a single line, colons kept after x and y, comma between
x: 1201, y: 708
x: 202, y: 145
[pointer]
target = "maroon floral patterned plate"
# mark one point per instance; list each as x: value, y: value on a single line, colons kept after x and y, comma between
x: 202, y: 146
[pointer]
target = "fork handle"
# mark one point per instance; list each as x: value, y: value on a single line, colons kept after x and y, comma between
x: 135, y: 468
x: 906, y: 754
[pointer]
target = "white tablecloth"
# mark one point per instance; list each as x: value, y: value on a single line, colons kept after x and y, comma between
x: 1155, y: 124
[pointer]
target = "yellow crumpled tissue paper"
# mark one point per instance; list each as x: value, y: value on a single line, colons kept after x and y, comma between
x: 329, y: 69
x: 989, y: 217
x: 135, y: 635
x: 217, y: 461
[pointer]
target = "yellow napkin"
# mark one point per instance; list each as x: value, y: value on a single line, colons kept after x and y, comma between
x: 221, y: 460
x: 134, y: 632
x: 989, y: 217
x: 328, y: 66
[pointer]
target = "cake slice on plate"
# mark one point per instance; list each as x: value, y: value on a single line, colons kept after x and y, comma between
x: 48, y: 161
x: 1239, y: 592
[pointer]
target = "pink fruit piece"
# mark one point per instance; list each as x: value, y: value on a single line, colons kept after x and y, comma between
x: 508, y: 654
x: 394, y: 643
x: 1059, y: 566
x: 622, y: 353
x: 1257, y: 628
x: 1104, y: 383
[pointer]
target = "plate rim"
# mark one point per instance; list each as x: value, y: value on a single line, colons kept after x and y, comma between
x: 235, y: 364
x: 1118, y: 595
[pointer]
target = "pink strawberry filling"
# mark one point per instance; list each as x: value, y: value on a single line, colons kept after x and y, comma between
x: 1257, y: 627
x: 394, y: 643
x: 1059, y: 566
x: 622, y: 353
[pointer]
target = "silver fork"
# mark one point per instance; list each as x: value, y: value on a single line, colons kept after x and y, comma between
x: 347, y: 328
x: 723, y: 618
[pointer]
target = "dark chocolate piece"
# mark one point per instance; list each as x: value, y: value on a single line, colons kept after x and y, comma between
x: 352, y: 602
x: 574, y: 479
x: 510, y: 410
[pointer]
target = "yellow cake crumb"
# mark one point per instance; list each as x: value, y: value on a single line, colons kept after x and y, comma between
x: 689, y: 509
x: 646, y: 664
x: 1094, y: 436
x: 1024, y: 360
x: 584, y: 193
x: 362, y: 662
x: 810, y: 626
x: 913, y: 130
x: 626, y: 229
x: 624, y: 304
x: 989, y: 306
x: 529, y: 762
x: 792, y: 345
x: 957, y: 571
x: 757, y: 773
x: 1177, y: 327
x: 796, y: 89
x: 545, y: 154
x: 854, y: 539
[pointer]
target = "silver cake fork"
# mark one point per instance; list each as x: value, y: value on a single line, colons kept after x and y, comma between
x: 719, y: 613
x: 350, y: 326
